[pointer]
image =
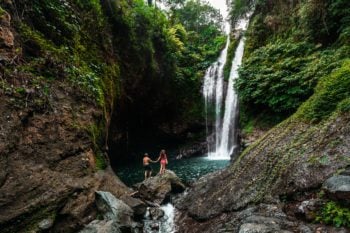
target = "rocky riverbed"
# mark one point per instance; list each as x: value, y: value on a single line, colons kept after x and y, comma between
x: 140, y: 210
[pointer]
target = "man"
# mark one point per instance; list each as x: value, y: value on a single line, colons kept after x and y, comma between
x: 147, y: 166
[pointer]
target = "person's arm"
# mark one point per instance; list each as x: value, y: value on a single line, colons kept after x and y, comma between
x: 152, y: 161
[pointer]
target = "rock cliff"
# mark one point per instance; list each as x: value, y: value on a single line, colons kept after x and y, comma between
x: 290, y: 163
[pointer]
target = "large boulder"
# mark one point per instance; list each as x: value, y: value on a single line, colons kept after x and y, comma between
x: 117, y: 216
x: 139, y: 207
x: 157, y: 189
x: 338, y: 187
x: 114, y: 209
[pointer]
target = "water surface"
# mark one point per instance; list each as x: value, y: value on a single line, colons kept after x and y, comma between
x: 187, y: 169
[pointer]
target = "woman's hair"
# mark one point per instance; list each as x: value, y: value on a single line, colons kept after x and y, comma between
x: 162, y: 154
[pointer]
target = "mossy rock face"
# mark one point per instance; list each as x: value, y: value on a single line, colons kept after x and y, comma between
x: 294, y: 156
x: 2, y: 12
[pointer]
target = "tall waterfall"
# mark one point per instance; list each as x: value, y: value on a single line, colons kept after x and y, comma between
x: 222, y: 101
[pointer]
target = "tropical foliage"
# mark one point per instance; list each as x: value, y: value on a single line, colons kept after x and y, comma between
x: 289, y: 48
x: 334, y: 214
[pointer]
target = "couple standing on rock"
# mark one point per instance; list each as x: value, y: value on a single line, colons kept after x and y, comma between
x: 147, y: 160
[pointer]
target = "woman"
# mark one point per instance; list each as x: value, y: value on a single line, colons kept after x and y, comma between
x: 163, y: 161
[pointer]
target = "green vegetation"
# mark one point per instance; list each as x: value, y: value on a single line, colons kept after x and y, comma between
x: 291, y: 49
x: 2, y: 11
x: 114, y: 51
x: 230, y: 55
x: 101, y: 162
x: 332, y: 90
x: 239, y: 8
x: 334, y: 214
x: 96, y: 134
x: 196, y: 30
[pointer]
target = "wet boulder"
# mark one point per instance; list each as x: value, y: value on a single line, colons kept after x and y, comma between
x: 45, y: 224
x: 139, y: 207
x: 338, y: 187
x: 156, y: 213
x: 157, y: 189
x: 117, y: 217
x: 114, y: 209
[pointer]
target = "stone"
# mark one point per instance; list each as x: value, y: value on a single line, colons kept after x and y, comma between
x: 6, y: 37
x: 263, y: 220
x: 5, y: 19
x: 346, y: 172
x: 114, y: 209
x: 155, y: 226
x: 101, y: 226
x: 305, y: 229
x: 338, y: 187
x: 157, y: 189
x: 255, y: 228
x: 139, y: 207
x: 156, y: 213
x: 45, y: 224
x: 307, y: 209
x: 34, y: 178
x: 193, y: 150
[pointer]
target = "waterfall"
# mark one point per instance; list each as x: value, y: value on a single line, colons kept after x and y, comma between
x: 164, y: 223
x: 219, y: 95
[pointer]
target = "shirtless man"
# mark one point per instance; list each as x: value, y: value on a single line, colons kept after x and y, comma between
x: 147, y: 166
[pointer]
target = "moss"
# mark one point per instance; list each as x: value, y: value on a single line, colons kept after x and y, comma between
x: 2, y: 11
x: 278, y: 152
x: 332, y: 90
x: 101, y: 162
x: 96, y: 133
x: 30, y: 34
x: 230, y: 55
x: 344, y: 105
x: 248, y: 128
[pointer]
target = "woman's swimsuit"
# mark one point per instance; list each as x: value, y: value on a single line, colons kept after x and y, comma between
x: 163, y: 161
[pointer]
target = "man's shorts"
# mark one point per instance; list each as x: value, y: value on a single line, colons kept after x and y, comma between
x: 147, y: 167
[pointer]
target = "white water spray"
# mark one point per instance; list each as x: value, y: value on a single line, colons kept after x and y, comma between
x: 166, y: 224
x: 224, y: 100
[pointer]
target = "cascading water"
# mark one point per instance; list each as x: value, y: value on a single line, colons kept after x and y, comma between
x: 224, y: 102
x: 165, y: 224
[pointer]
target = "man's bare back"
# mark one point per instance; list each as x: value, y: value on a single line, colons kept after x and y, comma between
x: 146, y: 160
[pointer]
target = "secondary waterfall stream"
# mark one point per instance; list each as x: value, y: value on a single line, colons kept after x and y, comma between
x: 221, y: 100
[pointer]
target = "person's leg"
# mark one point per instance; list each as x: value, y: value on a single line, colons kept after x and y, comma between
x: 160, y: 169
x: 145, y: 174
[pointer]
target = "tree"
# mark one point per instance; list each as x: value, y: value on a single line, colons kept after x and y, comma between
x: 197, y: 16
